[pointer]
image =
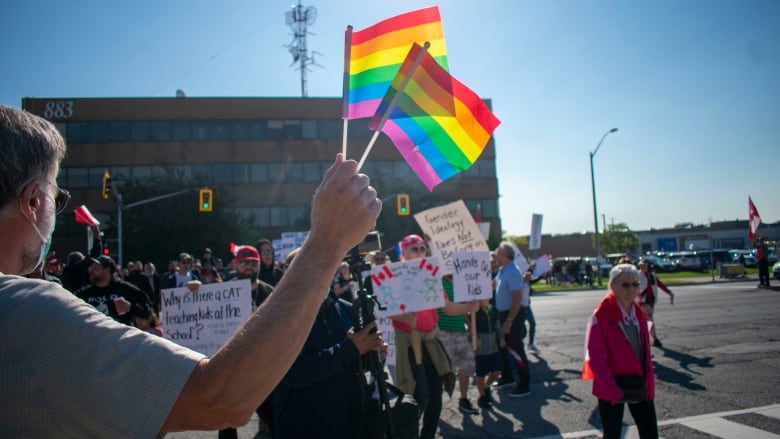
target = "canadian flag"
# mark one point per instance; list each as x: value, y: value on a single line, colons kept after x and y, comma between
x: 84, y: 216
x: 754, y: 219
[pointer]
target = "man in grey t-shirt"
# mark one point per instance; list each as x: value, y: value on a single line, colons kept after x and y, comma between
x: 67, y: 370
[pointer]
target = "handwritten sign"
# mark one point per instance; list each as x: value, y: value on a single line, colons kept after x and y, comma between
x: 385, y: 326
x: 205, y: 320
x: 408, y: 286
x: 451, y: 229
x: 471, y: 278
x: 543, y: 265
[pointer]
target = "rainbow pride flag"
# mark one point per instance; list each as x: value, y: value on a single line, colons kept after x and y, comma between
x: 372, y: 57
x: 436, y: 146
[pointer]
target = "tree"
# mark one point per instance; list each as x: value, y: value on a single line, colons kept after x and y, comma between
x: 160, y: 230
x: 618, y: 238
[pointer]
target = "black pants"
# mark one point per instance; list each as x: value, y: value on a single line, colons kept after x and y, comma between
x: 642, y: 412
x: 763, y: 272
x: 514, y: 340
x: 428, y: 393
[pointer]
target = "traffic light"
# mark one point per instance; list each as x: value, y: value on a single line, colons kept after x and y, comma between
x: 206, y: 200
x: 402, y: 202
x: 106, y: 185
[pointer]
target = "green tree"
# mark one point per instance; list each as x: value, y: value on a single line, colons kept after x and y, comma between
x: 618, y: 238
x: 160, y: 230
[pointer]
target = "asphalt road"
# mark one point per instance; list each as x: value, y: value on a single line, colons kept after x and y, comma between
x: 720, y: 359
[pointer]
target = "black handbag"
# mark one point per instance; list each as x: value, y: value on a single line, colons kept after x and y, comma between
x: 633, y: 388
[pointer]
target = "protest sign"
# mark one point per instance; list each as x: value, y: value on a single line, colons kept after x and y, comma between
x: 205, y: 320
x: 451, y: 228
x: 543, y: 265
x: 403, y: 287
x: 471, y: 277
x: 535, y: 238
x: 520, y: 260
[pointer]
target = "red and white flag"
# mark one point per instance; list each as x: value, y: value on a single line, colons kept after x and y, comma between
x: 84, y: 216
x: 754, y: 219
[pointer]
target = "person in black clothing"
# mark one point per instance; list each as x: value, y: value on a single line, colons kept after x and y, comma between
x: 763, y: 263
x: 111, y: 296
x: 323, y: 382
x: 76, y: 272
x: 269, y: 273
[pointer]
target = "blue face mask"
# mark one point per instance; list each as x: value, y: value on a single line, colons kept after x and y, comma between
x: 46, y: 242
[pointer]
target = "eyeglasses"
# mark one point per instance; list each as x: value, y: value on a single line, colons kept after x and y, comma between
x: 418, y: 249
x: 61, y: 199
x: 630, y: 284
x: 266, y: 251
x: 248, y: 262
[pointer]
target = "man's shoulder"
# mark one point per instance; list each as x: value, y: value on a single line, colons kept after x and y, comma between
x: 123, y: 284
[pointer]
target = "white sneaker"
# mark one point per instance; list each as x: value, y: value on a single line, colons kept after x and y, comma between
x: 533, y: 348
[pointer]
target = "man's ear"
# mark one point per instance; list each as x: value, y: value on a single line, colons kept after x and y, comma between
x: 30, y: 201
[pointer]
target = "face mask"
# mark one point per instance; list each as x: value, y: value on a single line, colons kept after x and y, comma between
x: 46, y: 243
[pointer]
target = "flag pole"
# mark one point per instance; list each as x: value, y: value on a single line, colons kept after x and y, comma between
x: 393, y: 101
x: 345, y: 88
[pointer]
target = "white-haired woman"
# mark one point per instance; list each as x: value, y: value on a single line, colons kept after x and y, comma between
x: 617, y: 357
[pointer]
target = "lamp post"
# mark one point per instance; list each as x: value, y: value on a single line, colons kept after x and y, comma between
x: 595, y: 211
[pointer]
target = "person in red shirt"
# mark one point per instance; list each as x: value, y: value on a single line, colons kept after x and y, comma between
x: 649, y: 295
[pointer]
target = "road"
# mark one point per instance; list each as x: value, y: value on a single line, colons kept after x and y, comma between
x: 717, y: 372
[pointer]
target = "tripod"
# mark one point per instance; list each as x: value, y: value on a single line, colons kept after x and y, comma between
x: 362, y: 315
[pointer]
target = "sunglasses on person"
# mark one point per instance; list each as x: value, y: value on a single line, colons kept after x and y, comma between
x: 418, y: 249
x: 252, y: 263
x: 61, y: 199
x: 630, y: 284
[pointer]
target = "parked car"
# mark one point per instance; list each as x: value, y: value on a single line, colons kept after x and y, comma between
x: 686, y: 260
x: 776, y: 270
x: 749, y: 258
x: 660, y: 265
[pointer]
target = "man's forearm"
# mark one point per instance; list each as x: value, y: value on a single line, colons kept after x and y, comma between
x: 245, y: 371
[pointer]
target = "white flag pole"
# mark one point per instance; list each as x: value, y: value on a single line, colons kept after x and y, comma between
x: 345, y: 88
x: 393, y: 101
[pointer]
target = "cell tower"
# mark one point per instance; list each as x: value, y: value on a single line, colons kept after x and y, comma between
x: 298, y: 18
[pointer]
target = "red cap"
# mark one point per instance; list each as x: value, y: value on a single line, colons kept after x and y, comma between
x: 247, y: 253
x: 411, y: 240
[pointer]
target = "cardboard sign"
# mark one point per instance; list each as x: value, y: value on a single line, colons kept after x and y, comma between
x: 205, y: 320
x: 535, y: 238
x: 408, y: 286
x: 471, y: 277
x: 543, y: 265
x: 451, y: 229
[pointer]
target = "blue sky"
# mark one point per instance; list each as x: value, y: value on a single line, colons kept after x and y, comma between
x: 692, y: 86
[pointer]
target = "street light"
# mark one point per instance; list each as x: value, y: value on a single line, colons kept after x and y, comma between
x: 595, y: 211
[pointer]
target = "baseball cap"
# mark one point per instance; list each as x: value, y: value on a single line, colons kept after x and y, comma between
x: 105, y: 262
x: 247, y: 253
x: 411, y: 240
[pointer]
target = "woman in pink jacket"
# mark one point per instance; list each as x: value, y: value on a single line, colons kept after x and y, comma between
x: 617, y: 357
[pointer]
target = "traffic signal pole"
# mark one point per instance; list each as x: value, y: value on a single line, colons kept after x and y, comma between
x: 120, y: 207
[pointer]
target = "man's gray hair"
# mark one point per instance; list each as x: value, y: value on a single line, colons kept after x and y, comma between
x: 621, y: 270
x: 507, y: 249
x: 31, y: 147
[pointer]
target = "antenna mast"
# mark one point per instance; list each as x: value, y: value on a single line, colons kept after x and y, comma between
x: 298, y: 18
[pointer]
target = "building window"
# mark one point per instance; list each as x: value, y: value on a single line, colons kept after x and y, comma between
x: 487, y: 168
x: 402, y: 171
x: 309, y: 129
x: 201, y: 130
x: 240, y: 173
x: 142, y: 173
x: 78, y: 178
x: 292, y: 129
x: 257, y: 130
x: 239, y: 130
x: 279, y: 217
x: 161, y: 131
x: 258, y: 173
x: 298, y: 215
x: 220, y: 130
x: 330, y: 129
x: 180, y: 130
x: 140, y: 131
x: 202, y: 173
x: 119, y: 131
x: 311, y: 172
x: 223, y: 174
x: 490, y: 208
x: 262, y: 216
x: 78, y: 132
x: 277, y: 172
x: 294, y: 172
x: 98, y: 132
x: 275, y: 129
